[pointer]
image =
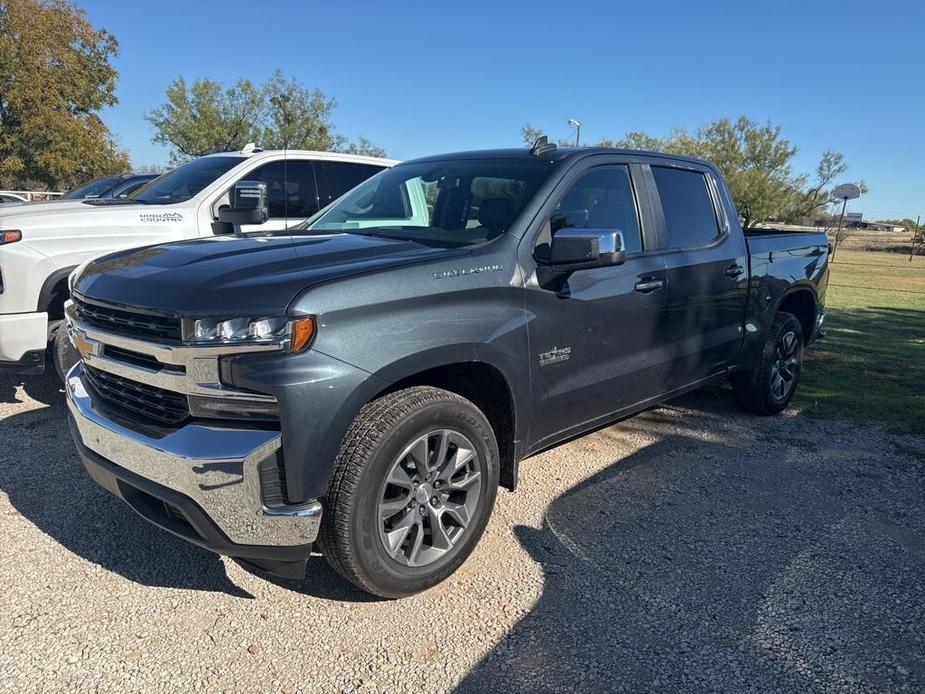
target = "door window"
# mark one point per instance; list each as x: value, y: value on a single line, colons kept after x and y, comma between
x: 601, y: 199
x: 337, y: 177
x: 687, y: 205
x: 291, y: 188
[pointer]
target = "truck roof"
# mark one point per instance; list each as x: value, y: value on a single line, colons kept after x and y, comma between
x: 254, y: 152
x: 554, y: 154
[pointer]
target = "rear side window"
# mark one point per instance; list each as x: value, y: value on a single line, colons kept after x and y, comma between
x: 601, y: 199
x: 290, y: 188
x: 337, y: 177
x: 688, y: 207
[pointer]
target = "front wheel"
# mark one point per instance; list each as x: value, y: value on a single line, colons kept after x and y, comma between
x: 63, y: 354
x: 411, y: 493
x: 770, y: 385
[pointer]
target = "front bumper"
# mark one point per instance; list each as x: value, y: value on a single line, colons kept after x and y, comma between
x: 200, y: 482
x: 23, y: 337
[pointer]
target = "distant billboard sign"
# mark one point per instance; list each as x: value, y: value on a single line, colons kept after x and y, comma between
x: 854, y: 216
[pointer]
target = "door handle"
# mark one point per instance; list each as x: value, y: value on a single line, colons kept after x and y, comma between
x: 734, y: 271
x: 649, y: 285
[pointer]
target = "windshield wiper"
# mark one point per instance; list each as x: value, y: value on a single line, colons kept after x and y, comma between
x: 305, y: 231
x: 114, y: 201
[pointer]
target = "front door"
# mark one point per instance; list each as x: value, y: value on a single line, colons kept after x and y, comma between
x: 595, y: 335
x: 292, y: 196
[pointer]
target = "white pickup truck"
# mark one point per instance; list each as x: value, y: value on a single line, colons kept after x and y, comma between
x: 42, y: 243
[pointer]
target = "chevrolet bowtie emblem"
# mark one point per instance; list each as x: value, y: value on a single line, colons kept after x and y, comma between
x: 83, y: 344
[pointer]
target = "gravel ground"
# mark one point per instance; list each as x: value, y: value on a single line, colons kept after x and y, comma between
x: 691, y: 548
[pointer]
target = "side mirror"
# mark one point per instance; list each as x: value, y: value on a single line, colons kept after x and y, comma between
x: 578, y: 249
x: 248, y: 204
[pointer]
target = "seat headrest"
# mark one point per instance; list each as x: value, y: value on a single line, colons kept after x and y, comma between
x: 496, y: 213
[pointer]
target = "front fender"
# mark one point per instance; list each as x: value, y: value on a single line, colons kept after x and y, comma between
x: 319, y: 397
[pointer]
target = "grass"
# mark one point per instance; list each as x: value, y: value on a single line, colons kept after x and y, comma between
x: 871, y: 365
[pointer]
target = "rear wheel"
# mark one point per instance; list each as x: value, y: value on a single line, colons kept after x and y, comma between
x: 412, y: 490
x: 770, y: 385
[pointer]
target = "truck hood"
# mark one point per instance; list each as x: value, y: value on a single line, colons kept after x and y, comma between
x: 39, y: 205
x: 44, y: 207
x: 231, y: 276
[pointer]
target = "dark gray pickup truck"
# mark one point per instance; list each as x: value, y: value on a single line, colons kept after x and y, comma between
x: 363, y: 384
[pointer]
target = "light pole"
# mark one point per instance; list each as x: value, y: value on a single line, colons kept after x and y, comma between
x: 577, y: 125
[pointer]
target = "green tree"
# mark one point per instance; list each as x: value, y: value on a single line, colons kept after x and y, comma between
x: 530, y: 134
x: 55, y: 76
x: 365, y: 147
x: 297, y: 117
x: 206, y: 117
x: 756, y: 162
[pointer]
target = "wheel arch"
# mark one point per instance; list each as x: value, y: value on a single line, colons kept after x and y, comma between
x: 54, y: 293
x: 802, y: 302
x: 479, y: 381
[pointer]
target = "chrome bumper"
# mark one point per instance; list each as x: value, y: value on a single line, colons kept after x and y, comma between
x: 216, y: 467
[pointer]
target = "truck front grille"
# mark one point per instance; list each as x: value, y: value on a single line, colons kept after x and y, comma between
x: 127, y: 322
x: 152, y: 404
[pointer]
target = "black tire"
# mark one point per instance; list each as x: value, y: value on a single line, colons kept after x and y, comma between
x: 351, y: 530
x: 759, y: 391
x: 63, y: 354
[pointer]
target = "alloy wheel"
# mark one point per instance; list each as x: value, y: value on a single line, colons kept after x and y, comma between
x: 429, y: 497
x: 786, y: 365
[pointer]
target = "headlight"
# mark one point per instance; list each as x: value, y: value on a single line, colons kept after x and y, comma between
x: 297, y: 333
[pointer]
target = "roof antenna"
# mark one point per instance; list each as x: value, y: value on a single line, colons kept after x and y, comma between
x: 541, y: 146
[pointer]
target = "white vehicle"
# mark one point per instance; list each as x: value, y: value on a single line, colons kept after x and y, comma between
x: 40, y: 244
x: 16, y: 198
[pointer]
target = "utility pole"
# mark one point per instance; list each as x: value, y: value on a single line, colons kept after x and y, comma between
x: 915, y: 236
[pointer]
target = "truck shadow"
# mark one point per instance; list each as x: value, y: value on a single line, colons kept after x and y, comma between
x: 721, y: 564
x: 42, y: 475
x: 45, y: 389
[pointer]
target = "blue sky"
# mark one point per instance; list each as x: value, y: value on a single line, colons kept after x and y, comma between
x: 425, y: 77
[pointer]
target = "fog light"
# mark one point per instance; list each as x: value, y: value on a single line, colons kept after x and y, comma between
x: 233, y: 408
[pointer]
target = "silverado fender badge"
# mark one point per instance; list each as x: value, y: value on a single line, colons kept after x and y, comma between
x: 160, y: 217
x: 462, y: 272
x: 556, y: 354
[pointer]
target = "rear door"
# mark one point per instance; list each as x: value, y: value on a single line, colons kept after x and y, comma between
x: 595, y: 334
x: 707, y: 263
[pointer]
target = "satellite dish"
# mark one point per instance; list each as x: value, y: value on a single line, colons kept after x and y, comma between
x: 846, y: 191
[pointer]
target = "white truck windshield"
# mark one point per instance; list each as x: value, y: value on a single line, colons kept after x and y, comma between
x: 185, y: 181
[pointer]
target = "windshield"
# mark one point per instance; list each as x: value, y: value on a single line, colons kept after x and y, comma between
x: 448, y: 203
x: 185, y: 181
x: 126, y: 188
x: 93, y: 189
